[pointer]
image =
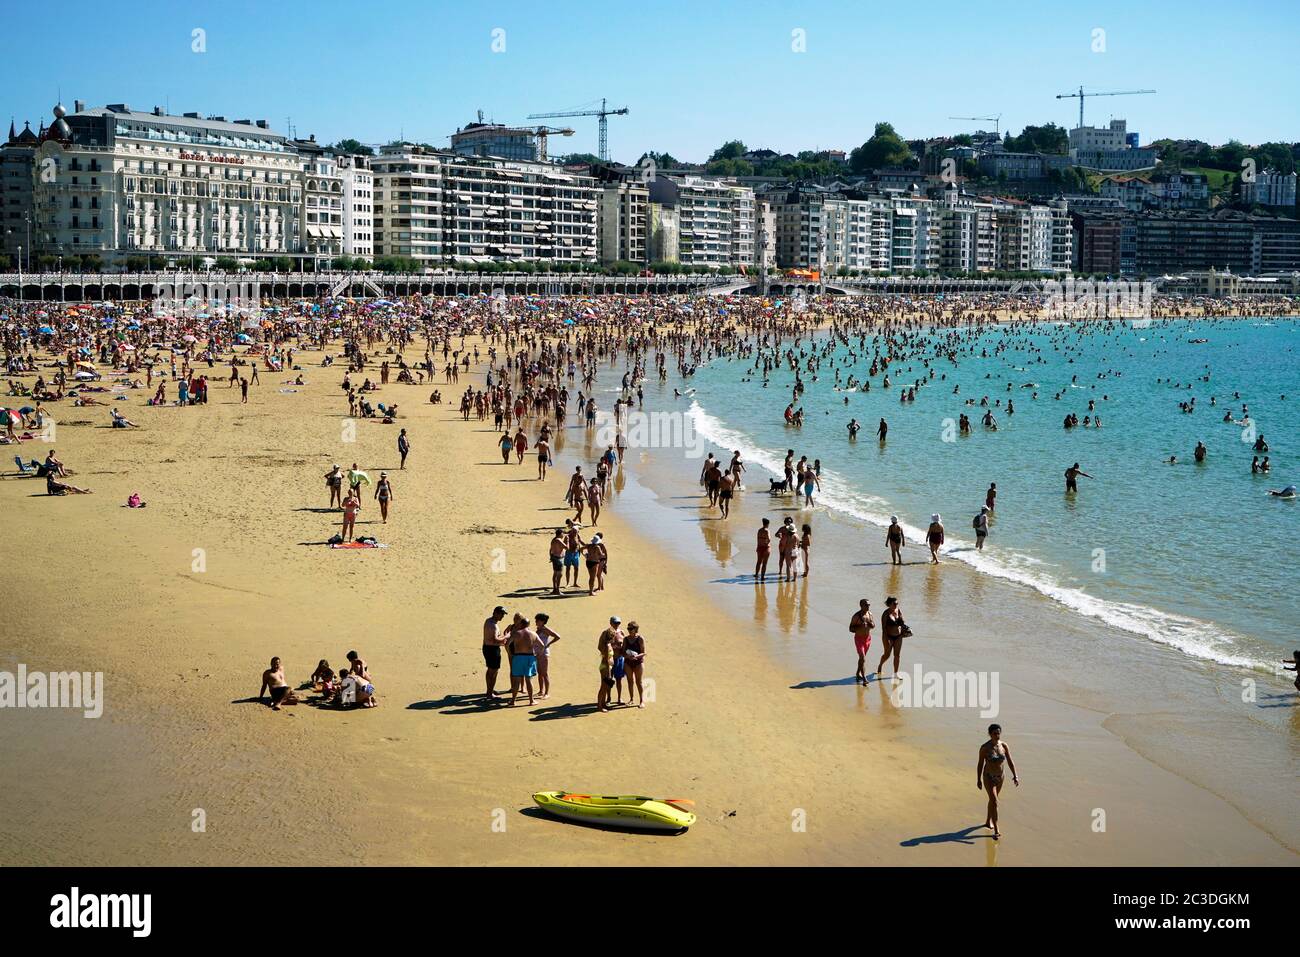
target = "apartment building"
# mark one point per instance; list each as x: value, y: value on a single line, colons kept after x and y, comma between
x: 622, y: 227
x: 715, y: 219
x: 439, y: 206
x: 1160, y: 191
x: 358, y: 206
x: 1109, y: 148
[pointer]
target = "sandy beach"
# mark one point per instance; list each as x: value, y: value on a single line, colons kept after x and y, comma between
x: 181, y: 605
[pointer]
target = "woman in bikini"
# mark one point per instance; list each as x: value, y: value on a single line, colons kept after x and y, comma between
x: 988, y: 774
x: 384, y: 494
x: 892, y: 631
x: 634, y: 662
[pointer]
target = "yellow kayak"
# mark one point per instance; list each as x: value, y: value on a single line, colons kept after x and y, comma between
x: 642, y: 813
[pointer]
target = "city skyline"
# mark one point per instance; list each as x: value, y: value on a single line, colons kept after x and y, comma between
x: 418, y: 73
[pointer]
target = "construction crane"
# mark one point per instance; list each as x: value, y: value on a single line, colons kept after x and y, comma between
x: 1081, y: 95
x: 541, y: 132
x: 604, y: 113
x: 995, y: 120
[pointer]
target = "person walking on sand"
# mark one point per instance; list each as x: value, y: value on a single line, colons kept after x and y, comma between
x: 634, y: 663
x: 351, y: 505
x: 894, y: 539
x: 989, y: 774
x: 726, y: 488
x: 934, y: 537
x: 1072, y: 477
x: 403, y: 447
x: 384, y: 495
x: 334, y: 482
x: 542, y: 651
x: 507, y: 445
x: 543, y: 458
x: 597, y: 555
x: 594, y: 495
x: 604, y: 645
x: 764, y: 550
x: 493, y: 639
x: 521, y: 445
x: 860, y: 626
x: 893, y: 629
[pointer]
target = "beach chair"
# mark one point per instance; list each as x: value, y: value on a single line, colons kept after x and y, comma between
x: 25, y: 468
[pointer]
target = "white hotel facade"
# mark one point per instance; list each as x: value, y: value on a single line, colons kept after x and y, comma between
x: 118, y: 182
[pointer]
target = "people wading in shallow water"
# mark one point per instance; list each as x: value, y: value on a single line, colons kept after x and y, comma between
x: 994, y: 753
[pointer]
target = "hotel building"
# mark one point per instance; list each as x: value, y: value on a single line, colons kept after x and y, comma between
x: 116, y: 181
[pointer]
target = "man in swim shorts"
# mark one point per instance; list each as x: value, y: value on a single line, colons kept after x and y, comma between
x: 523, y: 662
x: 492, y: 642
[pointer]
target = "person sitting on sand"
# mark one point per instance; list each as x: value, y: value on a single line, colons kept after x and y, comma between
x: 322, y: 680
x: 55, y: 487
x: 281, y: 693
x: 120, y: 421
x: 356, y: 690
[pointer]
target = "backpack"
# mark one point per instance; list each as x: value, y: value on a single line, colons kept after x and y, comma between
x: 975, y: 523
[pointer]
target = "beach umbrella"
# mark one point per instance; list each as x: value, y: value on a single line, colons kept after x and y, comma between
x: 46, y: 330
x: 14, y: 416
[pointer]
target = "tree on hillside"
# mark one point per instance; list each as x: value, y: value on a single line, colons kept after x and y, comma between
x: 1048, y: 138
x: 885, y: 148
x: 730, y: 150
x: 351, y: 147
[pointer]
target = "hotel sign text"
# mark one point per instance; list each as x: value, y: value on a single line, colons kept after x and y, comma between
x: 199, y: 157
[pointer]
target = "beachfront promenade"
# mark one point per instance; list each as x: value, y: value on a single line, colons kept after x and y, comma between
x: 97, y: 287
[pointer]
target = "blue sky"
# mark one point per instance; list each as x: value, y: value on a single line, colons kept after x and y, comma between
x: 692, y: 73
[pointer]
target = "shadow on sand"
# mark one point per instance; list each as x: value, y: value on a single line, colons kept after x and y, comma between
x: 964, y: 836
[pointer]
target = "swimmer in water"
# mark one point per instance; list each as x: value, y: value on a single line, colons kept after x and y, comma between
x: 1288, y: 492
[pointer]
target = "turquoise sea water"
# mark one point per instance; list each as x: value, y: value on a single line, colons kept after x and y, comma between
x: 1192, y: 555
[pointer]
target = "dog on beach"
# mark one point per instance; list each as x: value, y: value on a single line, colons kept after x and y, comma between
x: 778, y: 488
